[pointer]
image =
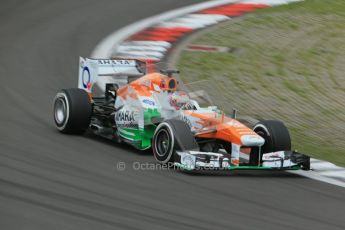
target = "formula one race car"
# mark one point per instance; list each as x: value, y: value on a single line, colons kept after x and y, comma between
x: 124, y: 100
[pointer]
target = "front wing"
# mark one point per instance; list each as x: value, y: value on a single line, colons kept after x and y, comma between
x: 281, y: 160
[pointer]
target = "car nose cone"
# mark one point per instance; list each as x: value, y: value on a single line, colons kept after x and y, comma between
x: 252, y: 140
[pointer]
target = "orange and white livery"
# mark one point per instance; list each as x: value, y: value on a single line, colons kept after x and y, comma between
x: 124, y: 100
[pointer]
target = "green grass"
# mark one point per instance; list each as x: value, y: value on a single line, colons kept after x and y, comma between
x: 288, y: 64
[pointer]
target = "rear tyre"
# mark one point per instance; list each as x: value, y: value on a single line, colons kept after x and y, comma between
x: 276, y: 135
x: 171, y: 136
x: 72, y: 111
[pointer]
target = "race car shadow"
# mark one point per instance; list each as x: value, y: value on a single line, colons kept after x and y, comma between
x: 242, y: 173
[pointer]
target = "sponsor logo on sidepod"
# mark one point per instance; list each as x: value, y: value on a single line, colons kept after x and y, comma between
x: 149, y: 102
x: 125, y: 116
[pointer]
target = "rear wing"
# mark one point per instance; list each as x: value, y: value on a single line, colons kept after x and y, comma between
x: 90, y: 70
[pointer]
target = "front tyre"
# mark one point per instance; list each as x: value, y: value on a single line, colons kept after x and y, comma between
x: 276, y: 135
x: 72, y: 111
x: 169, y: 136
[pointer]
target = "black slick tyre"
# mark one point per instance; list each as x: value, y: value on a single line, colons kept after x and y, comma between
x: 72, y: 111
x: 276, y: 136
x: 171, y: 136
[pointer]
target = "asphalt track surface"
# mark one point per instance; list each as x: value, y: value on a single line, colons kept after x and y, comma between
x: 54, y: 181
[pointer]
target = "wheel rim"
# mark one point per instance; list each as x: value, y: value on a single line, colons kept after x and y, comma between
x: 162, y: 142
x: 60, y: 111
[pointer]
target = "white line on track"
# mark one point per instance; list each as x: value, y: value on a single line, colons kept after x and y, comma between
x: 210, y: 17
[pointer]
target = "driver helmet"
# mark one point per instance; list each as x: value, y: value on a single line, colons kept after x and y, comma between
x: 179, y: 99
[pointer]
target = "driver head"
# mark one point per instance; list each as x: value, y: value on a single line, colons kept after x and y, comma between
x: 179, y: 99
